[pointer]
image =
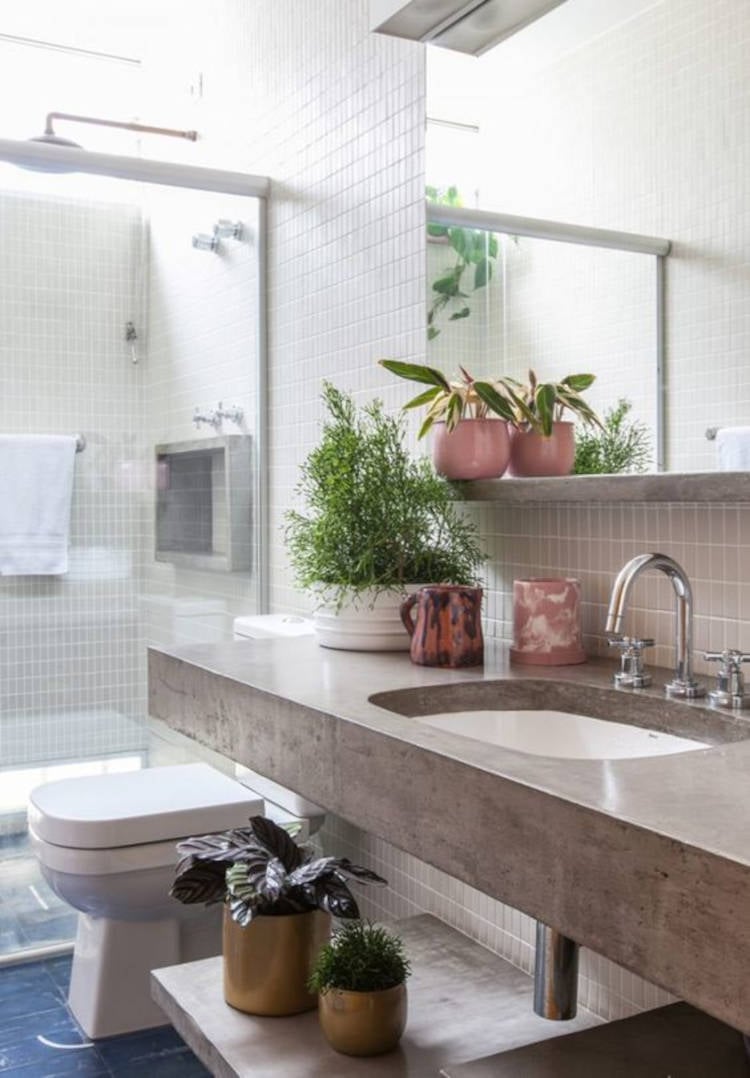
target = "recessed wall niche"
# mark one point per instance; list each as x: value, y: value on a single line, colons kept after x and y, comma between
x: 203, y: 503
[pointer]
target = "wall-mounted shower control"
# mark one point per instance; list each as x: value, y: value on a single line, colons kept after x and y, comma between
x: 203, y: 242
x: 232, y: 412
x: 224, y: 229
x: 208, y: 416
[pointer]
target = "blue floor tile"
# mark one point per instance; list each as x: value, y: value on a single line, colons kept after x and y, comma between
x: 148, y: 1046
x: 20, y: 1045
x: 59, y: 970
x: 32, y: 1004
x: 26, y: 989
x: 180, y: 1065
x: 84, y: 1066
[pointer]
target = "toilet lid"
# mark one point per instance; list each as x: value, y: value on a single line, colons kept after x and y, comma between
x: 135, y: 807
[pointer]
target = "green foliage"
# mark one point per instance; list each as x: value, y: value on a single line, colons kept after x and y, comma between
x: 622, y: 445
x: 475, y: 252
x: 261, y: 870
x: 450, y: 401
x: 361, y: 957
x: 376, y: 517
x: 538, y: 405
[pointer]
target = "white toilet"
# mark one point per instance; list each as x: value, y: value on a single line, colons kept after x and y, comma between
x: 106, y: 845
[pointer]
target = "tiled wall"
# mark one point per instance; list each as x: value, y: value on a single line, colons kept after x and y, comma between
x: 202, y: 346
x: 645, y: 129
x: 558, y: 309
x: 71, y: 670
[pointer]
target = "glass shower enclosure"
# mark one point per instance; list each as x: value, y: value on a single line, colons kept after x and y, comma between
x: 132, y: 316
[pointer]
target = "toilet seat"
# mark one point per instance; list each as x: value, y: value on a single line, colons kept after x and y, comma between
x: 153, y: 807
x: 104, y: 862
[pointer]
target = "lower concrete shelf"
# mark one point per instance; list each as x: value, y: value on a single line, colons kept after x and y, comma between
x: 464, y: 1003
x: 672, y: 1042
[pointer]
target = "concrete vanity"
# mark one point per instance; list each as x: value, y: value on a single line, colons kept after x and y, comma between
x: 646, y: 861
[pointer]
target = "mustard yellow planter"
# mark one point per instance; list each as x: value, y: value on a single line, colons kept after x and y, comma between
x: 363, y: 1023
x: 267, y: 964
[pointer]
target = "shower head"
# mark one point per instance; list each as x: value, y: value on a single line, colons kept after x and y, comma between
x: 55, y: 140
x: 49, y: 138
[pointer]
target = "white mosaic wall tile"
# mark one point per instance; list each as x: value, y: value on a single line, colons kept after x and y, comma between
x: 202, y: 347
x: 645, y: 129
x: 71, y: 665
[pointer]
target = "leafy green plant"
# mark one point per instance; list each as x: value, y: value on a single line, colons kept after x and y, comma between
x: 537, y: 405
x: 622, y: 444
x: 451, y: 401
x: 475, y: 252
x: 261, y: 870
x: 361, y: 957
x: 376, y: 517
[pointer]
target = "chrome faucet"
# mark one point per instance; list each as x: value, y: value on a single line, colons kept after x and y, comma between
x: 683, y: 684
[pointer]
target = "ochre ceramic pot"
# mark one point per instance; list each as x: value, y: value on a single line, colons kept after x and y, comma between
x: 547, y: 622
x: 448, y: 629
x: 267, y: 964
x: 363, y: 1023
x: 533, y: 454
x: 476, y: 449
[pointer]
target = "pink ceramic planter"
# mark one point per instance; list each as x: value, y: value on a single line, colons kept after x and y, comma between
x: 476, y: 449
x: 531, y: 454
x: 547, y: 622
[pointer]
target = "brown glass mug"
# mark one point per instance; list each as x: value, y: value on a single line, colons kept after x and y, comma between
x: 448, y: 629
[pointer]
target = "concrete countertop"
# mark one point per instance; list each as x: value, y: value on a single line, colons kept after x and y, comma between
x: 646, y: 861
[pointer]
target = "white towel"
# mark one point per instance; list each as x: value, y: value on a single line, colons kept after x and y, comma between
x: 36, y: 488
x: 733, y: 445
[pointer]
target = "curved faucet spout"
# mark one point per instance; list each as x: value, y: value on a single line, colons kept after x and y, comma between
x: 683, y: 683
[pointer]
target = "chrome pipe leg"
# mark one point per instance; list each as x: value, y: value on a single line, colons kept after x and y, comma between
x: 555, y: 975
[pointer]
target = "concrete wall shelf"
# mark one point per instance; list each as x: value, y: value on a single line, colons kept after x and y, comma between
x: 657, y: 487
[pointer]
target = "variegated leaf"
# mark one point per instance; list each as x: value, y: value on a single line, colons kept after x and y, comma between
x: 272, y: 883
x: 199, y: 881
x: 277, y: 842
x: 335, y: 897
x: 311, y: 871
x: 363, y: 875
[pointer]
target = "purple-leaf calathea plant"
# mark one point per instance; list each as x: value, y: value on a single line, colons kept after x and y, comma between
x: 260, y: 870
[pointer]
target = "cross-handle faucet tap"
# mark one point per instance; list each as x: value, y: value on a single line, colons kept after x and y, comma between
x: 683, y: 684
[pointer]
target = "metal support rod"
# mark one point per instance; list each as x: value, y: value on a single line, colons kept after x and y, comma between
x: 546, y: 230
x: 555, y: 975
x: 661, y: 354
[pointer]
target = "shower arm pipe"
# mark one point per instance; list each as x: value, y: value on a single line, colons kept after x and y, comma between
x: 123, y: 125
x: 37, y: 155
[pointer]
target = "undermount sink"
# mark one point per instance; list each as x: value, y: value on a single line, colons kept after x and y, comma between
x: 565, y: 719
x: 560, y: 734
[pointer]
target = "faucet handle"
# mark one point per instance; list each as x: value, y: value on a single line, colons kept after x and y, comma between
x: 730, y: 684
x: 631, y: 674
x: 730, y: 658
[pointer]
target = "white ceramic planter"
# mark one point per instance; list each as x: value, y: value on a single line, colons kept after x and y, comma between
x: 370, y: 621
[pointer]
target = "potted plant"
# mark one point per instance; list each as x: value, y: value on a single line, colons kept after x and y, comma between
x: 468, y: 444
x: 278, y: 901
x: 542, y: 442
x: 621, y: 445
x: 361, y: 977
x: 377, y: 525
